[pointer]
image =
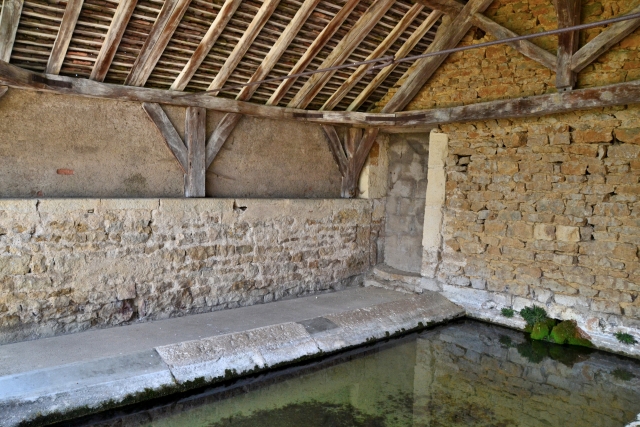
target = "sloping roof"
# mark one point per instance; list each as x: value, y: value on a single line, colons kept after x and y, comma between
x: 41, y: 20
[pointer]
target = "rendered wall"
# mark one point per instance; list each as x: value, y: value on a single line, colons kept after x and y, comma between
x: 68, y: 265
x: 113, y: 150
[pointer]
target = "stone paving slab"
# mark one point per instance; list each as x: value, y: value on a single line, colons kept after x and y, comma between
x: 86, y: 370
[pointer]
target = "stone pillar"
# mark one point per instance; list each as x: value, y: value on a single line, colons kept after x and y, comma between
x: 433, y: 210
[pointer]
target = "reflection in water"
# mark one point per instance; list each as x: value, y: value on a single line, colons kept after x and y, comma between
x: 462, y: 374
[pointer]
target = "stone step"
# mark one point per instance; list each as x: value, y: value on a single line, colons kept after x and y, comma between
x: 385, y: 272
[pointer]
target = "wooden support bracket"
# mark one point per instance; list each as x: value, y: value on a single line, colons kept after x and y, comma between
x: 568, y: 12
x: 351, y: 155
x: 3, y: 90
x: 194, y: 155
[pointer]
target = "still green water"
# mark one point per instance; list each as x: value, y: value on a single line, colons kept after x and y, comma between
x: 463, y: 374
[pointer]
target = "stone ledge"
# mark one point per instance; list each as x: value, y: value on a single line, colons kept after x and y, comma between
x: 95, y: 383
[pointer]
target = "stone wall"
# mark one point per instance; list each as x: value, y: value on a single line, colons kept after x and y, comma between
x: 66, y: 146
x: 541, y: 210
x: 407, y: 187
x: 68, y: 265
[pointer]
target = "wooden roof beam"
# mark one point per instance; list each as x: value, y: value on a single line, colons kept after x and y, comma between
x: 424, y: 68
x: 112, y: 40
x: 159, y: 36
x: 603, y: 42
x: 217, y: 26
x: 313, y: 50
x: 525, y: 47
x: 378, y: 52
x: 404, y: 50
x: 568, y: 12
x: 261, y: 18
x: 341, y: 53
x: 9, y: 19
x: 60, y: 46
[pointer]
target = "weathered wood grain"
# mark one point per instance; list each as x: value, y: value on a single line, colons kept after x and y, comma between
x: 220, y: 136
x: 217, y: 26
x: 312, y: 51
x: 168, y: 132
x: 61, y: 44
x: 159, y: 36
x: 244, y: 43
x: 424, y: 68
x: 335, y: 146
x: 450, y: 7
x: 19, y: 78
x: 112, y: 40
x: 568, y: 12
x: 603, y: 42
x: 341, y: 53
x: 378, y: 52
x: 9, y: 19
x: 404, y: 50
x: 195, y: 136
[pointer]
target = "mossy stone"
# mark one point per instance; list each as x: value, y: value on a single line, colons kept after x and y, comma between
x: 540, y: 331
x: 568, y: 332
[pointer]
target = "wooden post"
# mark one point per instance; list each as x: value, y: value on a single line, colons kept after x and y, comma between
x: 195, y: 137
x: 568, y: 15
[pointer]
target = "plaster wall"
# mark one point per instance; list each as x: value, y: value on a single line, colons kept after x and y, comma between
x: 64, y: 146
x: 405, y: 202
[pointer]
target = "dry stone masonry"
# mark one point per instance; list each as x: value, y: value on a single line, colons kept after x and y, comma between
x: 68, y: 265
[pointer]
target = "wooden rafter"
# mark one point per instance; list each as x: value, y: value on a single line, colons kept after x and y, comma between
x: 603, y: 42
x: 525, y: 47
x: 378, y: 52
x: 168, y: 132
x: 244, y: 43
x: 341, y: 53
x: 424, y: 68
x: 9, y: 19
x: 112, y: 39
x: 406, y: 48
x: 568, y: 12
x: 313, y: 50
x: 159, y: 36
x: 217, y: 26
x: 60, y: 46
x: 350, y: 155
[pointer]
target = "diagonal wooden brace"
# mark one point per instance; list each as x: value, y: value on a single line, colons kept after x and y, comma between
x: 350, y: 155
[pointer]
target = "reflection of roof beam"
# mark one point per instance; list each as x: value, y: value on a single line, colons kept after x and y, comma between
x: 112, y: 40
x: 313, y: 50
x: 9, y: 18
x: 217, y: 26
x: 60, y: 46
x: 446, y: 38
x: 406, y: 48
x: 568, y: 12
x: 341, y: 53
x: 603, y: 42
x: 159, y: 36
x: 359, y: 73
x: 261, y: 18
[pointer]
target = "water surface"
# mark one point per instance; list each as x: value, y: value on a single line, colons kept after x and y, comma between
x: 465, y: 373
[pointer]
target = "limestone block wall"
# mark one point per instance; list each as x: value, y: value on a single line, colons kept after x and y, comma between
x: 407, y: 186
x: 68, y: 265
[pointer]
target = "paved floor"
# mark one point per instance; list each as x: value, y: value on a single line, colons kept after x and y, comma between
x: 55, y: 375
